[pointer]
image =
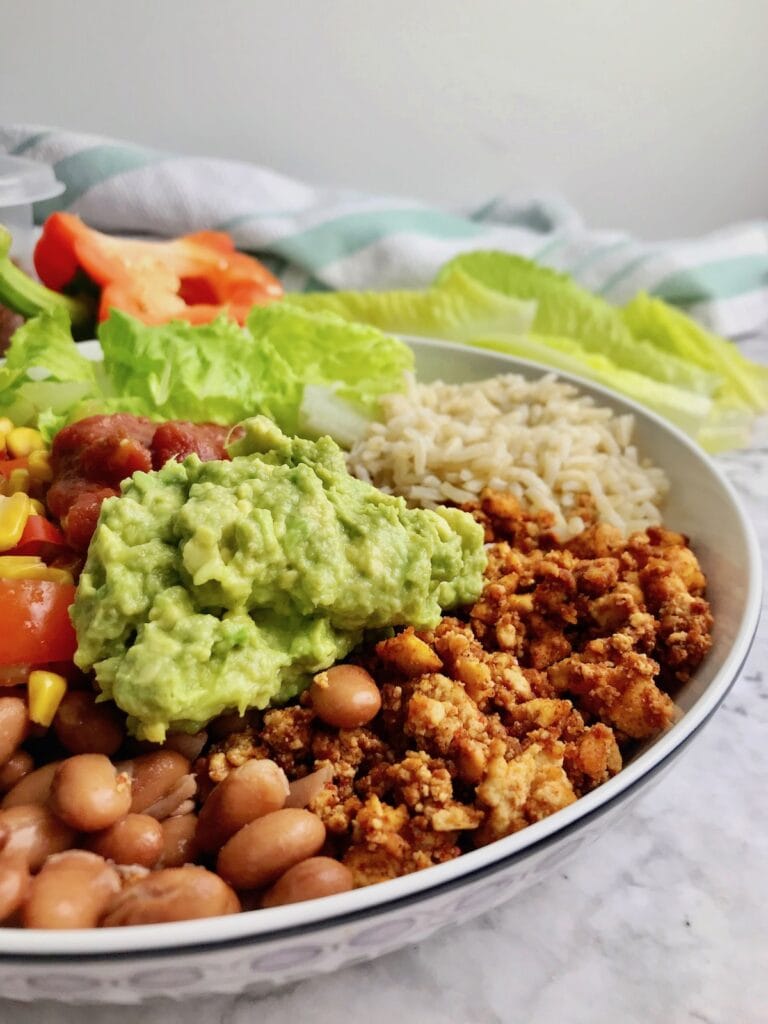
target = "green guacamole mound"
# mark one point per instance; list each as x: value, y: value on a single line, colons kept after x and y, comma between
x: 219, y: 585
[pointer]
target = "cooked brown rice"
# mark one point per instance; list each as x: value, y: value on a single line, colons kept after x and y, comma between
x: 541, y: 440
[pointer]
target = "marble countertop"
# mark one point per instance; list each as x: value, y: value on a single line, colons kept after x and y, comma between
x: 662, y: 920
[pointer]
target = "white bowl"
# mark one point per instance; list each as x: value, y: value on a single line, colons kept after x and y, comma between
x: 260, y: 950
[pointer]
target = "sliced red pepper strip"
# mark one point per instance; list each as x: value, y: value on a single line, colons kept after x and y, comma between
x: 195, y: 278
x: 36, y: 624
x: 7, y: 466
x: 40, y: 537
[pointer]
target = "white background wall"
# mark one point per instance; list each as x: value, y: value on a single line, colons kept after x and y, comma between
x: 646, y: 114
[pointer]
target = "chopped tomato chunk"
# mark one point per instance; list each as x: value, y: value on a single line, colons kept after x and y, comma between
x: 36, y: 624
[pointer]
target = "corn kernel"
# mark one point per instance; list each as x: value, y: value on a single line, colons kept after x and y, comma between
x: 20, y: 567
x: 6, y: 425
x: 40, y: 467
x: 22, y: 441
x: 53, y: 574
x: 36, y: 508
x: 18, y: 481
x: 45, y: 691
x: 30, y: 567
x: 14, y: 513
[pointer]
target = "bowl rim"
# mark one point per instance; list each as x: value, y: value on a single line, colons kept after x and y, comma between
x: 277, y: 923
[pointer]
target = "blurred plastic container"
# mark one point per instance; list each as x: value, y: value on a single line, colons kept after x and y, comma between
x: 22, y: 183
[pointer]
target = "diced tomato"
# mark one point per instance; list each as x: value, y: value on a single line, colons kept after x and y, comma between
x: 40, y: 537
x: 36, y: 624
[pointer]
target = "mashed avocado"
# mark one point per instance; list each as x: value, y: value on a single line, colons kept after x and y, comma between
x: 218, y: 585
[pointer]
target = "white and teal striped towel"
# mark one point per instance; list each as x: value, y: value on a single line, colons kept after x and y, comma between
x: 331, y: 238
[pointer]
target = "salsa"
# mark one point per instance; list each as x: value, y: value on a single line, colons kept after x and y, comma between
x: 90, y: 459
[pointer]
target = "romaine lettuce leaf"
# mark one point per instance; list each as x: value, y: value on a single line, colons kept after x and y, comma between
x: 566, y: 310
x: 563, y: 308
x: 674, y: 334
x: 213, y: 372
x: 45, y: 371
x: 218, y: 372
x: 460, y: 309
x: 356, y: 362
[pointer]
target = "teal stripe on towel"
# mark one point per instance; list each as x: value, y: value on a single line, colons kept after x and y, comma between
x: 231, y: 223
x: 81, y: 171
x: 547, y: 250
x: 597, y: 254
x: 316, y: 247
x: 624, y: 272
x: 712, y: 281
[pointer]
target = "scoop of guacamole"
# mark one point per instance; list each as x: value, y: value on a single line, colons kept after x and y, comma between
x: 218, y: 585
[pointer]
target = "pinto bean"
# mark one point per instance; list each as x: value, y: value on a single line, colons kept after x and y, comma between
x: 84, y: 727
x: 72, y: 891
x: 154, y: 776
x: 89, y: 793
x: 254, y: 789
x: 14, y: 726
x: 134, y: 839
x: 308, y: 880
x: 34, y: 788
x: 179, y: 846
x: 345, y: 696
x: 172, y: 894
x: 34, y: 833
x: 266, y: 848
x: 15, y: 768
x: 14, y: 884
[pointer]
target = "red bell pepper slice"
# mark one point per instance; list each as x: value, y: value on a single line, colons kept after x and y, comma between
x: 7, y: 466
x: 40, y: 537
x: 195, y: 278
x: 36, y: 624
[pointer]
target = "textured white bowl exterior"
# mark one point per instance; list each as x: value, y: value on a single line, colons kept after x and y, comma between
x: 260, y: 950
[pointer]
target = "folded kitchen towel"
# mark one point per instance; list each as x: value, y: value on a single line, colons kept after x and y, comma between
x: 316, y: 237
